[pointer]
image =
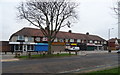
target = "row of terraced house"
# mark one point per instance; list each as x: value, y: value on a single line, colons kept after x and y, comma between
x: 26, y: 39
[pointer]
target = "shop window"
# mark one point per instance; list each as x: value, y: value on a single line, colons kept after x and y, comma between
x: 30, y: 47
x: 16, y: 47
x: 20, y: 47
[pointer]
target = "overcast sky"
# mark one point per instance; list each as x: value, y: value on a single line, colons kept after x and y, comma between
x: 95, y: 17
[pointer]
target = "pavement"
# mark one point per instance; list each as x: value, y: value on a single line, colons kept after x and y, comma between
x: 10, y: 57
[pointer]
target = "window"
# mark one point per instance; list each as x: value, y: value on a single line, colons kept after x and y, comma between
x: 16, y: 47
x: 26, y: 38
x: 21, y: 38
x: 88, y: 41
x: 55, y: 40
x: 44, y: 39
x: 61, y: 40
x: 82, y: 41
x: 30, y: 47
x: 66, y: 40
x: 91, y: 41
x: 95, y: 41
x: 37, y: 39
x: 71, y: 40
x: 101, y: 42
x: 30, y: 39
x: 105, y: 42
x: 20, y: 47
x: 78, y: 40
x: 98, y: 41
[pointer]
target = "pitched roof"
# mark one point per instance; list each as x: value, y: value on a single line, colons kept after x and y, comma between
x: 114, y: 39
x: 63, y: 35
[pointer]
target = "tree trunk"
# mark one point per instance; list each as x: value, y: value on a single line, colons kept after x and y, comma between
x: 49, y: 47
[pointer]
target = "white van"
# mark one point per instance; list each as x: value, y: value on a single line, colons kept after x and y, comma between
x: 74, y: 48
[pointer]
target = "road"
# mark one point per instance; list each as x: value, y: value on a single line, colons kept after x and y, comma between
x: 61, y: 64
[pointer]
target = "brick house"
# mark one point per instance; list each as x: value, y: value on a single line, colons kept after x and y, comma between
x: 26, y: 38
x: 114, y: 44
x: 4, y: 46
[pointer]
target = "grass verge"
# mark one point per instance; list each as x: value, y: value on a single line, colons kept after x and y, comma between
x: 114, y: 71
x: 45, y: 56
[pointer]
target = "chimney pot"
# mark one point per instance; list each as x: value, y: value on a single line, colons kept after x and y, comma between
x: 70, y: 31
x: 87, y: 33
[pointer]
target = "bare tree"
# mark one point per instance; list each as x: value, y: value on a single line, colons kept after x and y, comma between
x: 50, y: 17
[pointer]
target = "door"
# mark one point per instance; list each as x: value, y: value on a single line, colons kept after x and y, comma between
x: 24, y: 48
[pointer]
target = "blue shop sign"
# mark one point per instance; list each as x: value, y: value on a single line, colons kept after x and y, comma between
x: 41, y: 47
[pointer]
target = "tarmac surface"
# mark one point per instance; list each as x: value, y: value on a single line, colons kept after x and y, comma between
x: 88, y: 61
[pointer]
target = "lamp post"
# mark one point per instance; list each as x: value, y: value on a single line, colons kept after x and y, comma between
x: 109, y: 33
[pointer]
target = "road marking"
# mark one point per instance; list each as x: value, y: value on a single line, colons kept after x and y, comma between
x: 7, y: 60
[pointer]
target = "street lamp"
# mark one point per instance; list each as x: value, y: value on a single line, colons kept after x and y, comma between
x: 109, y: 32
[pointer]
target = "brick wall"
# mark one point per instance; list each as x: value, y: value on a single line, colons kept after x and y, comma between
x: 4, y: 46
x: 58, y: 48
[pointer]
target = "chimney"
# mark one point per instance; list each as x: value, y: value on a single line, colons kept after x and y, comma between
x: 70, y: 31
x: 116, y: 38
x: 87, y: 33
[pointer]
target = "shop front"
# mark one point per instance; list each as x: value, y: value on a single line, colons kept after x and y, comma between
x: 99, y: 47
x: 90, y: 47
x: 70, y: 45
x: 82, y: 46
x: 22, y: 46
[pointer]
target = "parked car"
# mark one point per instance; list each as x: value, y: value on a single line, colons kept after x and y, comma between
x: 74, y: 48
x: 118, y: 51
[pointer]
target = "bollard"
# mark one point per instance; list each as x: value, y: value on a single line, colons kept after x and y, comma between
x: 12, y: 52
x: 109, y: 51
x: 69, y: 52
x: 5, y: 52
x: 75, y: 52
x: 29, y: 54
x: 43, y: 54
x: 57, y: 53
x: 37, y: 52
x: 53, y: 51
x: 16, y: 55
